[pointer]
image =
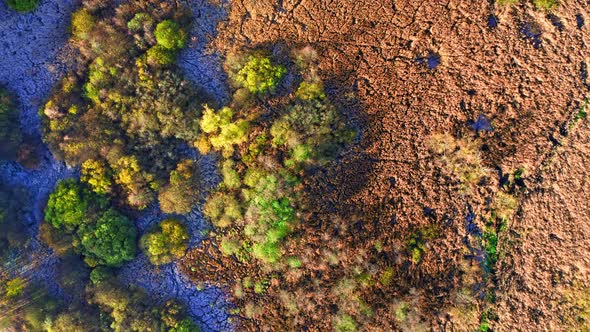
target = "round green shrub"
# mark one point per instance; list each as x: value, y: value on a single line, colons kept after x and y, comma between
x: 169, y: 35
x: 259, y: 74
x: 110, y: 241
x: 22, y: 5
x: 67, y: 206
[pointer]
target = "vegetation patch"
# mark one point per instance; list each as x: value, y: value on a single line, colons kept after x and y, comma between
x: 126, y: 114
x: 22, y: 6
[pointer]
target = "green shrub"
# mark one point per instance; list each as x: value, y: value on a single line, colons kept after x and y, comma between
x: 310, y: 90
x: 167, y: 242
x: 96, y: 174
x: 169, y: 35
x: 100, y: 274
x: 161, y: 56
x: 138, y: 21
x: 110, y: 241
x: 259, y: 74
x: 67, y: 206
x: 344, y: 323
x: 15, y: 287
x: 22, y: 5
x: 545, y: 4
x: 82, y: 24
x: 222, y: 209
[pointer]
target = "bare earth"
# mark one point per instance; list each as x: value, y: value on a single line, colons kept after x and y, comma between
x: 527, y: 76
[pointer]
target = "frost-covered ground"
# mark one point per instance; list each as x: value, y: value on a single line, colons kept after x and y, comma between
x: 31, y: 61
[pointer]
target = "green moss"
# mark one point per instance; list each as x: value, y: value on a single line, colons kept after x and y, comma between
x: 294, y: 262
x: 545, y: 4
x: 345, y: 323
x: 22, y: 6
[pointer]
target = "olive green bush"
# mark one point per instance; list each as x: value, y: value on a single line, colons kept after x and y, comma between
x: 166, y: 242
x: 259, y: 74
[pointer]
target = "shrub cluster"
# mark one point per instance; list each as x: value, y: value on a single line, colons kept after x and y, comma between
x: 265, y: 155
x: 126, y: 114
x: 100, y: 233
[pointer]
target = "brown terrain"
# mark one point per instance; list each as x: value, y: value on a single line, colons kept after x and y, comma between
x: 527, y: 76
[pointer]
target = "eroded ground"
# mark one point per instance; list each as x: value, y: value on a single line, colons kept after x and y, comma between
x: 412, y: 69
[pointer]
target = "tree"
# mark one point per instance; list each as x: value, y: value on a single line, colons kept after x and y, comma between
x: 169, y: 35
x: 182, y: 193
x: 82, y: 24
x: 96, y: 174
x: 110, y: 241
x: 67, y: 206
x: 165, y: 243
x: 259, y: 74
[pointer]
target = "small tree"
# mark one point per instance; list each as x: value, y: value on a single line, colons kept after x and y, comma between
x: 259, y: 74
x: 82, y: 24
x: 169, y: 35
x: 110, y: 241
x: 167, y: 242
x: 67, y: 206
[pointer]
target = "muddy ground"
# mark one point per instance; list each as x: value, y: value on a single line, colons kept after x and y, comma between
x: 406, y: 70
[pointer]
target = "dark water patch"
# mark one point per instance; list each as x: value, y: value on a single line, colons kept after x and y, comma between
x: 432, y: 60
x: 482, y: 123
x: 556, y: 21
x: 580, y: 21
x: 492, y: 21
x: 532, y: 33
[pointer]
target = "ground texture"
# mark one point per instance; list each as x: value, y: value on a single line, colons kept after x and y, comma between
x: 411, y: 69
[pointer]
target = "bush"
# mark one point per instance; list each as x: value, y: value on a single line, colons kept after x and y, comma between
x: 110, y: 241
x: 67, y: 206
x: 161, y: 56
x: 82, y: 24
x: 167, y: 242
x: 22, y: 5
x: 96, y: 174
x: 15, y: 287
x: 169, y: 35
x: 259, y: 74
x: 182, y: 193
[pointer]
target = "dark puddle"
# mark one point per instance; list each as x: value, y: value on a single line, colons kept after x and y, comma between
x: 492, y: 21
x: 556, y: 21
x: 482, y: 123
x: 432, y: 60
x: 532, y: 33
